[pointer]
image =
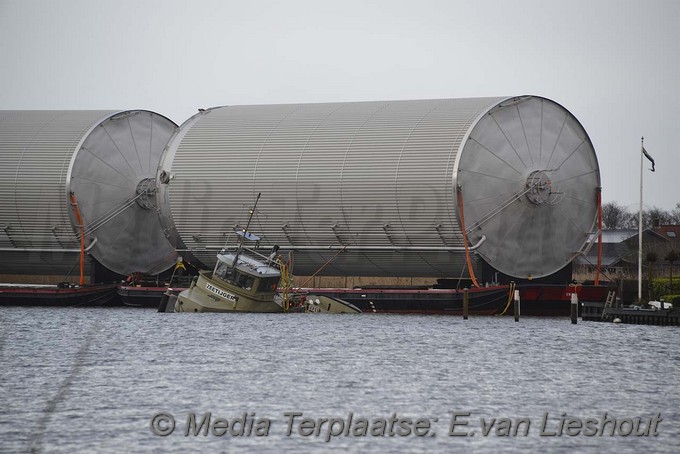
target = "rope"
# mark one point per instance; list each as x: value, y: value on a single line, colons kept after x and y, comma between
x: 285, y: 287
x: 465, y: 240
x: 511, y: 294
x: 611, y: 279
x: 460, y: 278
x: 319, y: 270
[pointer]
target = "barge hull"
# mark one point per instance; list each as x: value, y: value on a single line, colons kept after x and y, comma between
x: 28, y: 295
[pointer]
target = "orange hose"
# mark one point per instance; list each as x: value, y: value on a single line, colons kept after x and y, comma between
x: 599, y: 236
x: 465, y: 240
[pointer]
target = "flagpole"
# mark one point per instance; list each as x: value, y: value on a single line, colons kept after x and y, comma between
x: 642, y: 145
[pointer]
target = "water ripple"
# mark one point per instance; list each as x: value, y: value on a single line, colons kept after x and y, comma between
x: 84, y: 380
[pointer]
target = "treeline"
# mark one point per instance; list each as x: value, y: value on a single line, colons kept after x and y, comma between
x: 615, y: 216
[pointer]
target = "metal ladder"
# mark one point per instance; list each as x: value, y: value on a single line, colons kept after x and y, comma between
x: 609, y: 302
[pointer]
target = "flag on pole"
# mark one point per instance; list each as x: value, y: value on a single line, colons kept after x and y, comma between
x: 648, y: 157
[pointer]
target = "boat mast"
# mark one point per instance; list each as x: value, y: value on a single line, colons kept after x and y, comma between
x: 245, y: 232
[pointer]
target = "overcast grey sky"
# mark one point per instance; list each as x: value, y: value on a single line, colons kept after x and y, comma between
x: 614, y: 64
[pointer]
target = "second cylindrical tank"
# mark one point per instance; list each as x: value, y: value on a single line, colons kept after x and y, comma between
x: 383, y: 188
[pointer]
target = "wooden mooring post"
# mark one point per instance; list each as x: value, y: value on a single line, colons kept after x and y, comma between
x: 466, y: 303
x: 574, y: 308
x: 516, y: 305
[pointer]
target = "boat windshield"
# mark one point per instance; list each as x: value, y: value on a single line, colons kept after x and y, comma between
x: 243, y: 280
x: 221, y: 270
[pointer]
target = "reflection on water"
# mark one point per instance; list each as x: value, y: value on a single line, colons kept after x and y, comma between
x: 75, y: 379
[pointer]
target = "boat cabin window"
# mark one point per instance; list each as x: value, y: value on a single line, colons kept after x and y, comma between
x: 244, y: 281
x: 269, y: 284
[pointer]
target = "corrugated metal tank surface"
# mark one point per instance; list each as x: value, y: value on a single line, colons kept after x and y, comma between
x: 99, y: 155
x: 377, y: 177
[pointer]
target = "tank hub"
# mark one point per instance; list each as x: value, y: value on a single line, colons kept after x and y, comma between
x: 540, y: 190
x: 146, y: 193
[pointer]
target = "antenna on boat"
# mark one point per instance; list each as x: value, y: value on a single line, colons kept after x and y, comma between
x: 245, y: 232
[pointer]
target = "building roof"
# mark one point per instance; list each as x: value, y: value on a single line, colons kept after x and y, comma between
x: 616, y: 244
x: 617, y: 235
x: 670, y: 232
x: 613, y: 235
x: 650, y: 234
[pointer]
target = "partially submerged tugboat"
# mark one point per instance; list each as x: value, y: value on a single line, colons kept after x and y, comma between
x: 242, y: 281
x: 250, y: 286
x: 247, y: 281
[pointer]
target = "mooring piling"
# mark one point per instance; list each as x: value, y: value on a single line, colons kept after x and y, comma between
x: 466, y: 303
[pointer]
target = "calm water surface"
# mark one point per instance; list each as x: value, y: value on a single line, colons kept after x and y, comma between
x: 91, y: 380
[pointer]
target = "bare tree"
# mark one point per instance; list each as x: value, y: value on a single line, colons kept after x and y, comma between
x: 675, y: 214
x: 651, y: 218
x: 614, y: 216
x: 632, y: 220
x: 657, y: 216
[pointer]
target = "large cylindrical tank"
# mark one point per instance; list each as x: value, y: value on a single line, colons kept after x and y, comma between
x: 387, y: 183
x: 108, y: 160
